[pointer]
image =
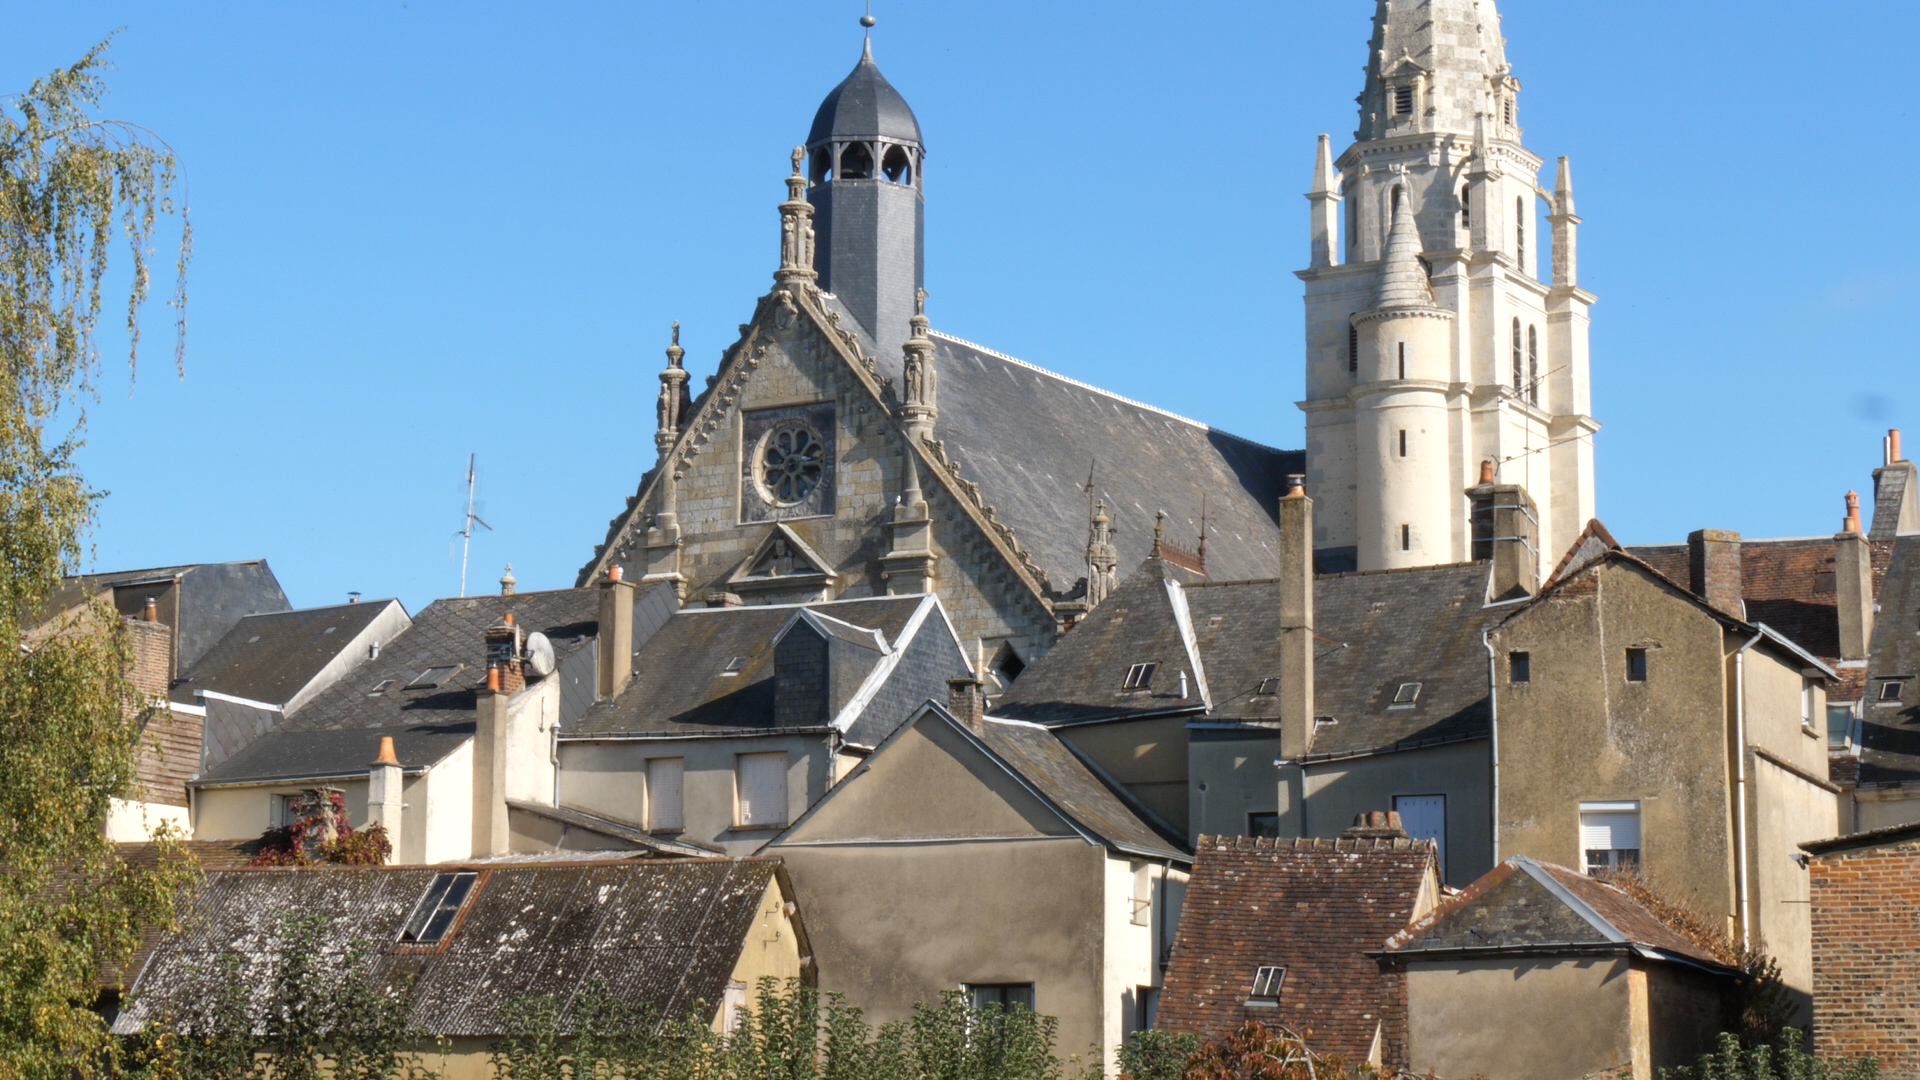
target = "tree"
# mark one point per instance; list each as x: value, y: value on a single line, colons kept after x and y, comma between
x: 73, y: 186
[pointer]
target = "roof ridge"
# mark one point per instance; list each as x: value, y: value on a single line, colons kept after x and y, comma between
x: 1310, y: 843
x: 1071, y: 381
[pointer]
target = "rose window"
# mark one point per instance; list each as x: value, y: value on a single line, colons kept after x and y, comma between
x: 790, y: 464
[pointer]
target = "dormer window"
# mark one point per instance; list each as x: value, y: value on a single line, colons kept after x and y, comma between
x: 1402, y: 100
x: 1265, y: 993
x: 1891, y: 689
x: 1139, y: 677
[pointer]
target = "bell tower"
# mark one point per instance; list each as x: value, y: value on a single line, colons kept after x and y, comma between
x: 864, y: 160
x: 1424, y: 233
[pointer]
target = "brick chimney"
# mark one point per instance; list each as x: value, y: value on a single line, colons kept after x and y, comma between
x: 1376, y: 825
x: 1503, y: 520
x: 1296, y: 621
x: 1853, y: 582
x: 1713, y: 570
x: 384, y: 795
x: 963, y: 701
x: 504, y: 655
x: 614, y: 639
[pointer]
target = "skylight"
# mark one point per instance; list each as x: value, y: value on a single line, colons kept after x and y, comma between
x: 1407, y: 694
x: 434, y: 677
x: 1139, y: 677
x: 433, y: 916
x: 1266, y: 986
x: 1269, y: 686
x: 734, y: 665
x: 381, y: 687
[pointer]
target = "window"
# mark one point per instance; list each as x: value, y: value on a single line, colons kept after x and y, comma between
x: 1610, y: 836
x: 734, y: 665
x: 434, y: 677
x: 382, y: 687
x: 1519, y: 376
x: 1466, y: 207
x: 1006, y: 666
x: 1139, y: 677
x: 1146, y: 1007
x: 1519, y: 667
x: 1140, y: 905
x: 1353, y: 345
x: 1424, y: 817
x: 856, y: 163
x: 1268, y: 686
x: 433, y: 916
x: 1507, y: 101
x: 897, y: 166
x: 1406, y: 538
x: 1891, y: 689
x: 665, y: 811
x: 1407, y: 693
x: 1839, y: 726
x: 1403, y: 375
x: 1403, y: 442
x: 1265, y: 992
x: 1007, y: 996
x: 1636, y: 665
x: 1520, y: 231
x: 1263, y: 824
x: 1402, y: 100
x: 733, y: 1006
x: 762, y: 788
x: 1533, y: 365
x: 1806, y: 706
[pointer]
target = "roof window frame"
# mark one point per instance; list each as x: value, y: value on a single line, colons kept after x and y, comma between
x: 1269, y: 981
x: 434, y: 918
x: 1139, y: 677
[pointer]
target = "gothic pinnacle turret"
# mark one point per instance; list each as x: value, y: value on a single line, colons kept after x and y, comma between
x: 796, y: 228
x: 1403, y: 280
x: 673, y: 396
x: 922, y: 405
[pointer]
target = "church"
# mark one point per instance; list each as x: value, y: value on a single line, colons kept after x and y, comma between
x: 847, y: 449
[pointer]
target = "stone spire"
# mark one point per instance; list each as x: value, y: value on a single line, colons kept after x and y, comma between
x: 908, y: 565
x: 1431, y: 67
x: 673, y: 396
x: 922, y: 406
x: 1103, y: 559
x: 1403, y: 281
x: 1325, y: 198
x: 1566, y: 230
x: 796, y: 228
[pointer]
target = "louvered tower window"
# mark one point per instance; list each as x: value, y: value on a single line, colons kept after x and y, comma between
x: 1519, y: 373
x: 1520, y: 231
x: 1533, y: 365
x: 1466, y: 207
x: 1353, y: 346
x: 1402, y: 100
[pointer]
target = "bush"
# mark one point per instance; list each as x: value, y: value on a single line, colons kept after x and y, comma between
x: 1735, y: 1062
x: 320, y: 832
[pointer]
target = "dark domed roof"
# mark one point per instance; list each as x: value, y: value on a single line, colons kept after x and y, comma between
x: 864, y: 106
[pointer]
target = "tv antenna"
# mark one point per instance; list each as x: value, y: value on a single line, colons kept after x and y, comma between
x: 466, y: 530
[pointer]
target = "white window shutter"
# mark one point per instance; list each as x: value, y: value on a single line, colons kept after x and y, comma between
x: 763, y: 789
x: 665, y: 805
x: 1610, y: 830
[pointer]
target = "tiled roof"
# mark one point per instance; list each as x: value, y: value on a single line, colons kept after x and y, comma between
x: 1377, y: 630
x: 1316, y: 908
x: 270, y: 658
x: 680, y: 682
x: 1067, y: 781
x: 665, y: 934
x: 1530, y: 907
x: 1890, y: 733
x: 339, y: 731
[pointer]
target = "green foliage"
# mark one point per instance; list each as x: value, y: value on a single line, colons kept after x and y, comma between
x: 1788, y: 1062
x: 72, y: 187
x: 322, y: 1014
x: 791, y: 1033
x: 1158, y: 1055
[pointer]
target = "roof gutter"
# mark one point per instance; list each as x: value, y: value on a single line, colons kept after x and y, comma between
x: 1493, y: 732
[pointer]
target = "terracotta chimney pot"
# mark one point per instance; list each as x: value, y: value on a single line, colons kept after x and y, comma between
x: 387, y: 756
x: 493, y: 679
x: 151, y: 612
x: 1852, y: 524
x: 1486, y: 471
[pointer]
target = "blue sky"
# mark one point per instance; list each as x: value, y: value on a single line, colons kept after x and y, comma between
x: 430, y: 229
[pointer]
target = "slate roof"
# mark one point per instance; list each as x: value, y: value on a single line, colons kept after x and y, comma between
x: 214, y: 596
x: 679, y: 684
x: 1533, y: 908
x: 661, y: 934
x: 271, y: 657
x: 1071, y: 784
x: 1316, y: 907
x: 1377, y: 630
x: 1890, y: 733
x: 339, y: 731
x: 864, y: 105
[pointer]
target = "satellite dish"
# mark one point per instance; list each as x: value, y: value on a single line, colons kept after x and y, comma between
x: 539, y: 654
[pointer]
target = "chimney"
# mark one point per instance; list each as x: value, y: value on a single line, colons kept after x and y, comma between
x: 492, y: 714
x: 1892, y: 446
x: 1376, y: 825
x: 1896, y: 493
x: 1296, y: 621
x: 1853, y: 582
x: 1503, y: 523
x: 963, y: 701
x: 504, y: 656
x: 1713, y: 570
x: 384, y: 783
x: 614, y: 639
x: 151, y: 612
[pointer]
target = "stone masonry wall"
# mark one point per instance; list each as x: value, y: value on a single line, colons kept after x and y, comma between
x: 1866, y: 956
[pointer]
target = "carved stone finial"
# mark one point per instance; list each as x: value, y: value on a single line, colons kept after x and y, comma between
x: 673, y: 396
x: 1103, y: 559
x: 1159, y: 531
x: 920, y: 302
x: 799, y: 157
x: 921, y: 407
x: 796, y: 228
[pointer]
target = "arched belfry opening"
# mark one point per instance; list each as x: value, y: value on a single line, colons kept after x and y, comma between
x: 869, y: 215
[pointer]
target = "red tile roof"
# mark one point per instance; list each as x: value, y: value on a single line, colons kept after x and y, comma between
x: 1316, y: 907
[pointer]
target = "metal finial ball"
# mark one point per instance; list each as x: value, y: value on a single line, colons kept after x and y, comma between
x: 868, y: 21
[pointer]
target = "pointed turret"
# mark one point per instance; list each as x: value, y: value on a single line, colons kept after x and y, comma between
x: 1566, y: 230
x: 1325, y: 198
x: 1403, y: 283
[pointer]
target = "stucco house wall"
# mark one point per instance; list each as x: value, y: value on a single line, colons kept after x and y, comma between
x: 1338, y: 790
x: 610, y: 779
x: 1233, y: 779
x: 1491, y: 1017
